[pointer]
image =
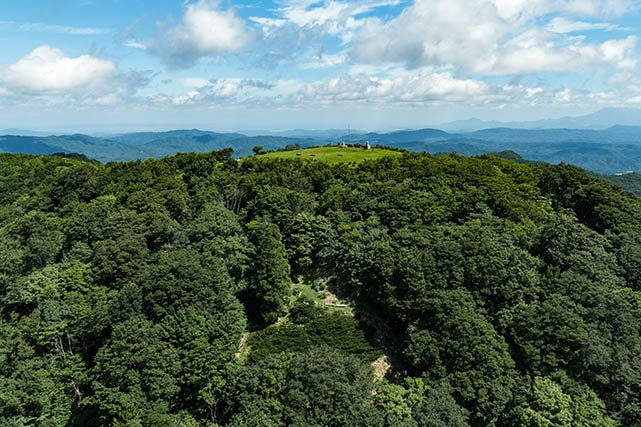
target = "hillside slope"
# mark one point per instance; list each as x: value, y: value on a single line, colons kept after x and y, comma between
x: 192, y: 290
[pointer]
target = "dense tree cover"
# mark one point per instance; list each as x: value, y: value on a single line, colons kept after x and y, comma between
x: 159, y: 293
x: 628, y: 181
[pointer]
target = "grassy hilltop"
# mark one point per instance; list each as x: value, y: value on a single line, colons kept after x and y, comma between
x: 333, y: 154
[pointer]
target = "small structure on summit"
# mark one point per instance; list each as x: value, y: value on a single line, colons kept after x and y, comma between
x: 368, y: 146
x: 342, y: 143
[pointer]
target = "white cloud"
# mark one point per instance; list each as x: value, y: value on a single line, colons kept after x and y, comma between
x: 422, y: 86
x: 620, y: 52
x: 535, y: 51
x: 563, y: 25
x: 203, y: 92
x: 433, y: 32
x: 319, y: 18
x: 528, y: 9
x: 210, y: 29
x: 135, y: 44
x: 206, y: 29
x: 105, y: 100
x: 41, y: 27
x: 50, y: 78
x: 564, y: 96
x: 303, y: 13
x: 195, y: 82
x: 491, y: 37
x: 425, y: 87
x: 48, y: 70
x: 298, y: 31
x: 396, y: 87
x: 269, y: 24
x: 325, y: 61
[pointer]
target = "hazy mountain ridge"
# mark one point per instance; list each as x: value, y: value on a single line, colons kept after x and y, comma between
x: 607, y: 151
x: 138, y: 146
x: 602, y: 119
x: 613, y: 150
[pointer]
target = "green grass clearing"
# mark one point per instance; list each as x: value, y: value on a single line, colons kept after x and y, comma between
x: 306, y: 291
x: 333, y: 154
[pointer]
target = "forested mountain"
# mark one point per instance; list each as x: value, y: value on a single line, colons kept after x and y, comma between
x: 608, y: 151
x: 139, y: 146
x: 408, y: 291
x: 613, y: 150
x: 628, y: 181
x: 100, y: 149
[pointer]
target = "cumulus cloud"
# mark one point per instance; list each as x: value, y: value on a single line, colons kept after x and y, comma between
x: 533, y: 52
x: 203, y: 92
x: 433, y: 32
x: 492, y: 37
x: 48, y: 70
x: 422, y: 86
x: 205, y: 29
x: 54, y: 77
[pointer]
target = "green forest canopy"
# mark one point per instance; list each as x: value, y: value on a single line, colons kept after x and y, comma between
x: 168, y: 292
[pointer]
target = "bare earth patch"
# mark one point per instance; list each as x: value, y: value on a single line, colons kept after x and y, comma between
x: 381, y: 367
x: 243, y: 348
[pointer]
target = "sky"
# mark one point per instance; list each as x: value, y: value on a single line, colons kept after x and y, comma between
x: 230, y: 65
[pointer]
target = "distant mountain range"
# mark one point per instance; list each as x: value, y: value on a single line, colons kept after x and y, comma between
x: 306, y: 133
x: 135, y: 146
x: 616, y: 149
x: 602, y: 119
x: 613, y: 150
x: 23, y: 132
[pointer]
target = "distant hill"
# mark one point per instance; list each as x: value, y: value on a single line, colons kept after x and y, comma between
x: 602, y: 119
x: 325, y: 134
x: 606, y: 151
x: 615, y: 134
x: 25, y: 145
x: 609, y: 151
x: 161, y: 144
x: 96, y: 148
x: 144, y: 145
x: 628, y: 181
x: 404, y: 136
x: 23, y: 132
x: 142, y: 138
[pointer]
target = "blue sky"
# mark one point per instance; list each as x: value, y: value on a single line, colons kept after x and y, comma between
x: 120, y: 65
